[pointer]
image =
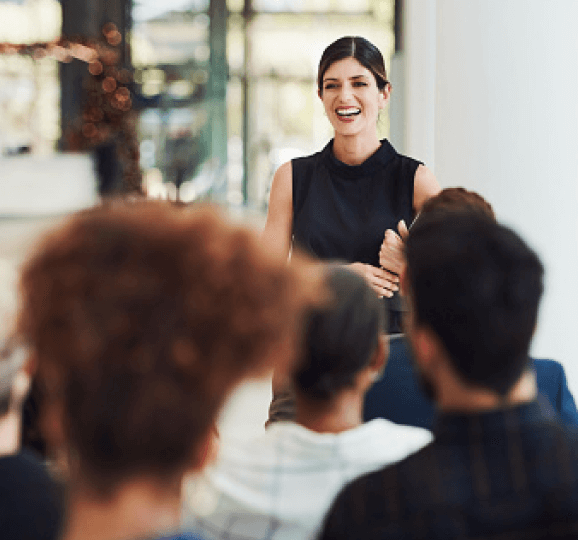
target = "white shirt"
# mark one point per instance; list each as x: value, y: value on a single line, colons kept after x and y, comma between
x: 280, y: 485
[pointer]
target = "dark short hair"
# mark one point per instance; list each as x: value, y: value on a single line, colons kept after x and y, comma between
x: 458, y: 198
x: 477, y: 285
x: 362, y: 50
x: 340, y: 338
x: 143, y: 317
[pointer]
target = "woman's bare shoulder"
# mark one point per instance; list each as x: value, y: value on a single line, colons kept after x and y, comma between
x: 425, y: 186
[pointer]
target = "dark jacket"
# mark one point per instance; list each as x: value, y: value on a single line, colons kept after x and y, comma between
x: 398, y: 397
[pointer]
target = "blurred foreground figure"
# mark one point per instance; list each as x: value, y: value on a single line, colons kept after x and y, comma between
x: 397, y: 395
x: 501, y: 465
x: 30, y: 500
x: 280, y: 485
x: 143, y: 318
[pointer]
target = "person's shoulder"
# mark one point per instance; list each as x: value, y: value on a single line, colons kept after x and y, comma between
x: 284, y: 170
x: 357, y: 504
x: 548, y: 366
x: 27, y: 468
x: 262, y: 449
x: 402, y: 440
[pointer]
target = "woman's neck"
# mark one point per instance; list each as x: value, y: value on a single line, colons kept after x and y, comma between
x: 137, y: 509
x: 355, y: 149
x: 342, y: 413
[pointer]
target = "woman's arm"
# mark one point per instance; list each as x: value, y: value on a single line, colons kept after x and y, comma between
x: 425, y: 186
x: 277, y: 232
x: 391, y: 255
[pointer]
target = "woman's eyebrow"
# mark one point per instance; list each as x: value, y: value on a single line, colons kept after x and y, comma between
x: 350, y: 78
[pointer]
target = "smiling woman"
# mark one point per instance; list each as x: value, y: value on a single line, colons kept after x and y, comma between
x: 338, y: 203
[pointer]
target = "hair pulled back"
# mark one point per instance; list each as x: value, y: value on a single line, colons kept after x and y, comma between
x: 341, y: 338
x: 362, y: 50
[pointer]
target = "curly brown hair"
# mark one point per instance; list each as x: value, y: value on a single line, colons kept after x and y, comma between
x: 143, y: 317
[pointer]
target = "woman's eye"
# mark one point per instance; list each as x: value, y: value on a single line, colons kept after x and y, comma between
x: 330, y: 86
x: 359, y: 83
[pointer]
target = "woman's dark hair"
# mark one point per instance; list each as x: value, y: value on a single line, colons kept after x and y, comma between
x: 363, y: 51
x: 341, y: 338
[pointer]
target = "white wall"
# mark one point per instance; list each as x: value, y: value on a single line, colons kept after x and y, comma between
x: 505, y: 123
x: 46, y: 185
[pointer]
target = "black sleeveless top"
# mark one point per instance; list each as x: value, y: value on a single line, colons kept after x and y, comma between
x: 341, y: 212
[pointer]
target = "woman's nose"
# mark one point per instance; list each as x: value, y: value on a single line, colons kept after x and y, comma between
x: 345, y: 92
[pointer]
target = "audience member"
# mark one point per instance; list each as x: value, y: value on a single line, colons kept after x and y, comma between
x: 143, y: 318
x: 397, y: 395
x: 30, y: 500
x: 280, y: 485
x: 500, y: 465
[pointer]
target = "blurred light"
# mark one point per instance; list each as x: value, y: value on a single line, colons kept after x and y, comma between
x: 109, y: 84
x: 235, y: 5
x: 202, y: 53
x: 153, y: 82
x: 89, y: 130
x: 122, y: 94
x: 235, y: 197
x: 293, y: 98
x: 202, y: 21
x: 109, y: 29
x: 125, y: 76
x: 235, y: 173
x: 188, y: 192
x: 181, y: 89
x: 30, y: 22
x: 147, y: 154
x: 114, y: 38
x: 235, y: 148
x: 200, y: 76
x: 95, y: 68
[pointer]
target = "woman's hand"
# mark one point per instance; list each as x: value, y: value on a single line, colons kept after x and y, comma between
x: 383, y: 282
x: 391, y: 254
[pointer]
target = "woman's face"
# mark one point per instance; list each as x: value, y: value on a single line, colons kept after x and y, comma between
x: 351, y: 98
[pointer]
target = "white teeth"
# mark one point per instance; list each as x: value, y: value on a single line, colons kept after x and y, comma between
x: 348, y: 111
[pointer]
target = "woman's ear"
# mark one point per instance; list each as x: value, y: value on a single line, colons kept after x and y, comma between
x: 384, y: 95
x: 381, y: 353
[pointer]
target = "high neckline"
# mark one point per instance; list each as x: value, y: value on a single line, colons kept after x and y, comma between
x: 377, y: 160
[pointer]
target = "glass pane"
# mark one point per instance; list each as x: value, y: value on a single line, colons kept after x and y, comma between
x: 29, y: 87
x: 235, y: 6
x: 171, y: 59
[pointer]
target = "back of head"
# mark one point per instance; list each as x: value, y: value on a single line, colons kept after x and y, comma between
x: 340, y: 338
x: 459, y: 199
x: 143, y: 317
x: 477, y: 285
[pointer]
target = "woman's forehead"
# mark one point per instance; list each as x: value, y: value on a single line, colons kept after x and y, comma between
x: 346, y: 68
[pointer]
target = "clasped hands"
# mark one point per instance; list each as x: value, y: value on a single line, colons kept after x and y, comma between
x: 385, y: 280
